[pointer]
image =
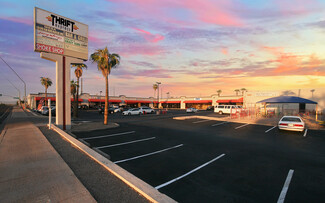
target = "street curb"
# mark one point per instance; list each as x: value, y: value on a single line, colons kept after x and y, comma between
x: 149, y: 192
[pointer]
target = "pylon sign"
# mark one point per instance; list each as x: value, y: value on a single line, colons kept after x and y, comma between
x: 59, y: 35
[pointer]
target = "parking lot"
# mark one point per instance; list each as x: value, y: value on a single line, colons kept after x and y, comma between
x: 198, y: 160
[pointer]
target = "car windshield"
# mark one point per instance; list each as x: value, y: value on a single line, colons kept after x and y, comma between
x: 291, y: 119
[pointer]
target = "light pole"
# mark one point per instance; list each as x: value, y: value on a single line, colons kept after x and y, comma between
x: 158, y: 83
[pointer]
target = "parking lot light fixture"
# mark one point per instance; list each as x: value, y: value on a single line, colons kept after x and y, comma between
x: 158, y: 83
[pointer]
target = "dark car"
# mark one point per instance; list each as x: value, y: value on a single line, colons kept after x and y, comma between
x: 101, y: 110
x: 210, y: 108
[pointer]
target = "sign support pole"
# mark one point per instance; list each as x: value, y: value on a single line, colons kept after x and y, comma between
x: 63, y: 93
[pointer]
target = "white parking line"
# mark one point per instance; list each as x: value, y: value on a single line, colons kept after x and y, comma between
x: 220, y: 123
x: 270, y: 129
x: 285, y: 187
x: 201, y: 121
x: 124, y: 143
x: 242, y: 126
x: 88, y: 138
x: 188, y: 173
x: 305, y: 132
x: 144, y: 155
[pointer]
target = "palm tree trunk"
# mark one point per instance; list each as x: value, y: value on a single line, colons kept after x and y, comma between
x: 76, y: 101
x: 45, y: 96
x: 106, y: 102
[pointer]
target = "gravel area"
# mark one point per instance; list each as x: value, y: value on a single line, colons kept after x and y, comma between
x: 102, y: 185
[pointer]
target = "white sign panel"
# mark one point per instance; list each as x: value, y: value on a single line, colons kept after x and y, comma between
x: 60, y: 35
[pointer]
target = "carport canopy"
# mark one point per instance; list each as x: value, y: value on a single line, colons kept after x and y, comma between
x: 287, y: 99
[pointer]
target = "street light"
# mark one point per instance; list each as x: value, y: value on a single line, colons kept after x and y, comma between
x: 158, y: 83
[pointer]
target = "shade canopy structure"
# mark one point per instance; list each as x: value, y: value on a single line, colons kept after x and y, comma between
x: 287, y: 99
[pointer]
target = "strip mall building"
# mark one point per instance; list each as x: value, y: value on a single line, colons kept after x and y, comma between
x: 248, y: 100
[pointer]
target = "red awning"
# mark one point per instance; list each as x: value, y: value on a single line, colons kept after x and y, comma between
x: 137, y: 101
x: 39, y: 98
x: 240, y: 100
x: 224, y: 101
x: 198, y: 101
x: 79, y: 100
x: 170, y: 102
x: 103, y: 100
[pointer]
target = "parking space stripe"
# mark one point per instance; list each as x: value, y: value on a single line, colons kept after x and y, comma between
x: 242, y: 126
x: 144, y: 155
x: 285, y: 187
x: 270, y: 129
x: 305, y: 132
x: 201, y: 121
x: 124, y: 143
x: 220, y: 123
x: 88, y: 138
x: 188, y: 173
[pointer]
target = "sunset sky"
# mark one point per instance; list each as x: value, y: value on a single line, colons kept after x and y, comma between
x: 193, y: 47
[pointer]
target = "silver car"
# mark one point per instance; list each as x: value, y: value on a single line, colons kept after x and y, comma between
x: 294, y: 123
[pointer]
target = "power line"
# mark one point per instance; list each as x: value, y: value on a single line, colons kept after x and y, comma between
x: 12, y: 85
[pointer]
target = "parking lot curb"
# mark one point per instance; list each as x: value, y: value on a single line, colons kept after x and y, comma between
x: 149, y: 192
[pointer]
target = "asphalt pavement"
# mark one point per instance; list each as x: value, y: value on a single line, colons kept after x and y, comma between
x: 253, y: 167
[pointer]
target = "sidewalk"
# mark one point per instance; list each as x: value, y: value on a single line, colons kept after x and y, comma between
x: 31, y: 170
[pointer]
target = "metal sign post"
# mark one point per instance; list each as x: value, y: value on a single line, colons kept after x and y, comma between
x: 50, y: 113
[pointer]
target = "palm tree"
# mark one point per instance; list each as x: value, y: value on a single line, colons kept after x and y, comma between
x: 236, y: 90
x: 105, y: 62
x: 46, y: 82
x: 73, y: 89
x: 219, y: 92
x: 312, y: 93
x: 78, y: 72
x: 243, y: 90
x: 155, y: 87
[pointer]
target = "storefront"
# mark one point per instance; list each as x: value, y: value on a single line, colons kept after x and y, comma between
x: 198, y: 104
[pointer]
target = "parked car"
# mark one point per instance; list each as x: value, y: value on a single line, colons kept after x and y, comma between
x: 191, y: 110
x: 210, y: 108
x: 294, y: 123
x: 116, y: 110
x: 135, y: 111
x: 222, y: 109
x: 45, y: 110
x: 146, y: 110
x: 101, y: 110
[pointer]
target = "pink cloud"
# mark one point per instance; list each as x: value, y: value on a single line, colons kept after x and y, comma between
x: 149, y: 36
x: 224, y: 51
x: 26, y: 20
x: 207, y: 11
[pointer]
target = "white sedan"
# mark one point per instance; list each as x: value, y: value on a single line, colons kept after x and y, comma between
x: 191, y: 110
x: 135, y: 111
x: 294, y: 123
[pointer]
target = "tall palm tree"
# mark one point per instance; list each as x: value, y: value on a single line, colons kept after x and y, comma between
x: 73, y: 89
x: 219, y: 92
x: 155, y: 87
x: 243, y: 90
x: 46, y: 82
x: 312, y: 93
x: 78, y: 72
x: 236, y: 90
x: 105, y: 62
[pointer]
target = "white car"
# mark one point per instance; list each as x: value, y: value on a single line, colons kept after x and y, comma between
x: 146, y: 110
x: 294, y: 123
x: 135, y: 111
x: 191, y: 110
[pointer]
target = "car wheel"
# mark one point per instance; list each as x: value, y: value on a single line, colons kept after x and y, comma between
x: 129, y: 114
x: 139, y: 113
x: 220, y: 112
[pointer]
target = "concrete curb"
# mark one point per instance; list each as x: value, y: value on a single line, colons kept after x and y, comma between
x: 149, y: 192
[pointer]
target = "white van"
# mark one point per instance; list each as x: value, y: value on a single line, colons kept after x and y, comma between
x: 221, y: 109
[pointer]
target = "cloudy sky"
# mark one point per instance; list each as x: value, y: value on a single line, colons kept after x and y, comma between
x: 194, y: 47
